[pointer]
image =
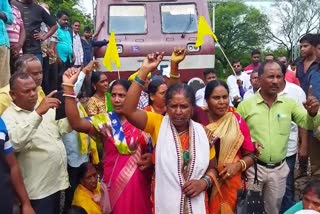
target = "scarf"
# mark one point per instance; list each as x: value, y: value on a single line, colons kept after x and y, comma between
x: 169, y: 197
x: 90, y: 201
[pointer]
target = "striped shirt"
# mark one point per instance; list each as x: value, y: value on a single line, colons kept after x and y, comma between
x: 77, y: 49
x: 14, y: 29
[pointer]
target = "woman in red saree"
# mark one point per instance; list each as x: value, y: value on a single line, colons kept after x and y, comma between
x: 124, y: 146
x: 234, y: 148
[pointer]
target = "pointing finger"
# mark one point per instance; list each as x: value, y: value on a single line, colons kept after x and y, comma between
x: 52, y: 93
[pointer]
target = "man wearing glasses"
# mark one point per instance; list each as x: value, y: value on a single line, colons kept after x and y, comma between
x: 238, y: 84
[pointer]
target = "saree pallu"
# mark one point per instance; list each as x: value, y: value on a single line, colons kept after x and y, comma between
x: 129, y: 188
x: 231, y: 139
x: 229, y: 191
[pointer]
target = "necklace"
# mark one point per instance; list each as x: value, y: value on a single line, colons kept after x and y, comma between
x: 99, y: 98
x: 184, y: 141
x: 181, y: 133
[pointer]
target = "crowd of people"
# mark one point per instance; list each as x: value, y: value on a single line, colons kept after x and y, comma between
x: 150, y: 143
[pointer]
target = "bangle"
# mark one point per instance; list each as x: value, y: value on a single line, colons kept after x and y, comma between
x: 207, y: 179
x: 211, y: 175
x: 174, y: 76
x: 67, y: 84
x: 69, y: 92
x: 243, y: 165
x: 139, y: 81
x: 69, y: 95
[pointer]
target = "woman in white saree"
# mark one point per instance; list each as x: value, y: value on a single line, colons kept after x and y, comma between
x: 184, y: 161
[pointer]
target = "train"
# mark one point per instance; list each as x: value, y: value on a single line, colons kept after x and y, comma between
x: 145, y: 26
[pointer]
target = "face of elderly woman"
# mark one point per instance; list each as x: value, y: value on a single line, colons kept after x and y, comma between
x: 179, y: 109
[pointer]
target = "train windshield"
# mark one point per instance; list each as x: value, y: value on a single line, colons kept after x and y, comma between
x: 180, y: 18
x: 127, y: 19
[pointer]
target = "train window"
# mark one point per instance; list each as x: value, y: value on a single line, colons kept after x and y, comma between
x: 179, y: 18
x: 127, y: 19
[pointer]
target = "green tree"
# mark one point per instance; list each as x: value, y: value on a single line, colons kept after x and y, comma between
x: 279, y: 51
x: 297, y: 17
x: 72, y: 8
x: 239, y: 28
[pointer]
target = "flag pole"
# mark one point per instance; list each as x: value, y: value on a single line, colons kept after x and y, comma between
x: 226, y: 58
x: 203, y: 30
x: 118, y: 74
x: 94, y: 58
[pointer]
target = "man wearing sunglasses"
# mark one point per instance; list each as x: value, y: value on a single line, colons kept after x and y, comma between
x: 238, y: 84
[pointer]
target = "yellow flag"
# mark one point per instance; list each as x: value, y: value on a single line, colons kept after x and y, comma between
x: 111, y: 54
x: 203, y: 30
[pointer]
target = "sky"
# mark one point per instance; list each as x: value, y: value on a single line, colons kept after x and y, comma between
x: 87, y: 5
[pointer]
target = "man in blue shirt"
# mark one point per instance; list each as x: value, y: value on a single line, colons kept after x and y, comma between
x: 64, y: 45
x: 308, y: 73
x: 6, y: 17
x: 11, y: 179
x: 88, y: 43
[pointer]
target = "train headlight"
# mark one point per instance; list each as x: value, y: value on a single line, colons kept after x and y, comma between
x: 120, y: 49
x: 191, y: 47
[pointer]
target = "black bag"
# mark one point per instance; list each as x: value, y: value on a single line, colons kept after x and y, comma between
x: 250, y: 201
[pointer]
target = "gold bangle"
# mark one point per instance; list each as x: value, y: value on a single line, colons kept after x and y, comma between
x: 175, y: 76
x: 67, y: 84
x: 243, y: 165
x: 211, y: 176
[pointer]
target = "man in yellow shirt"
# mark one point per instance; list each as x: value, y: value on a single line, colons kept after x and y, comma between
x: 30, y: 64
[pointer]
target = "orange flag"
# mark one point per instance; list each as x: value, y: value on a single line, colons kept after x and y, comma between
x: 204, y: 30
x: 111, y: 54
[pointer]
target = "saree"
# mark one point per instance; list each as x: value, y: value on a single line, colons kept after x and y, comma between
x: 129, y: 187
x: 90, y: 201
x: 231, y: 139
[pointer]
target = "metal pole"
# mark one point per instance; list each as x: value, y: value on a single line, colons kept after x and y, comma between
x: 213, y: 17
